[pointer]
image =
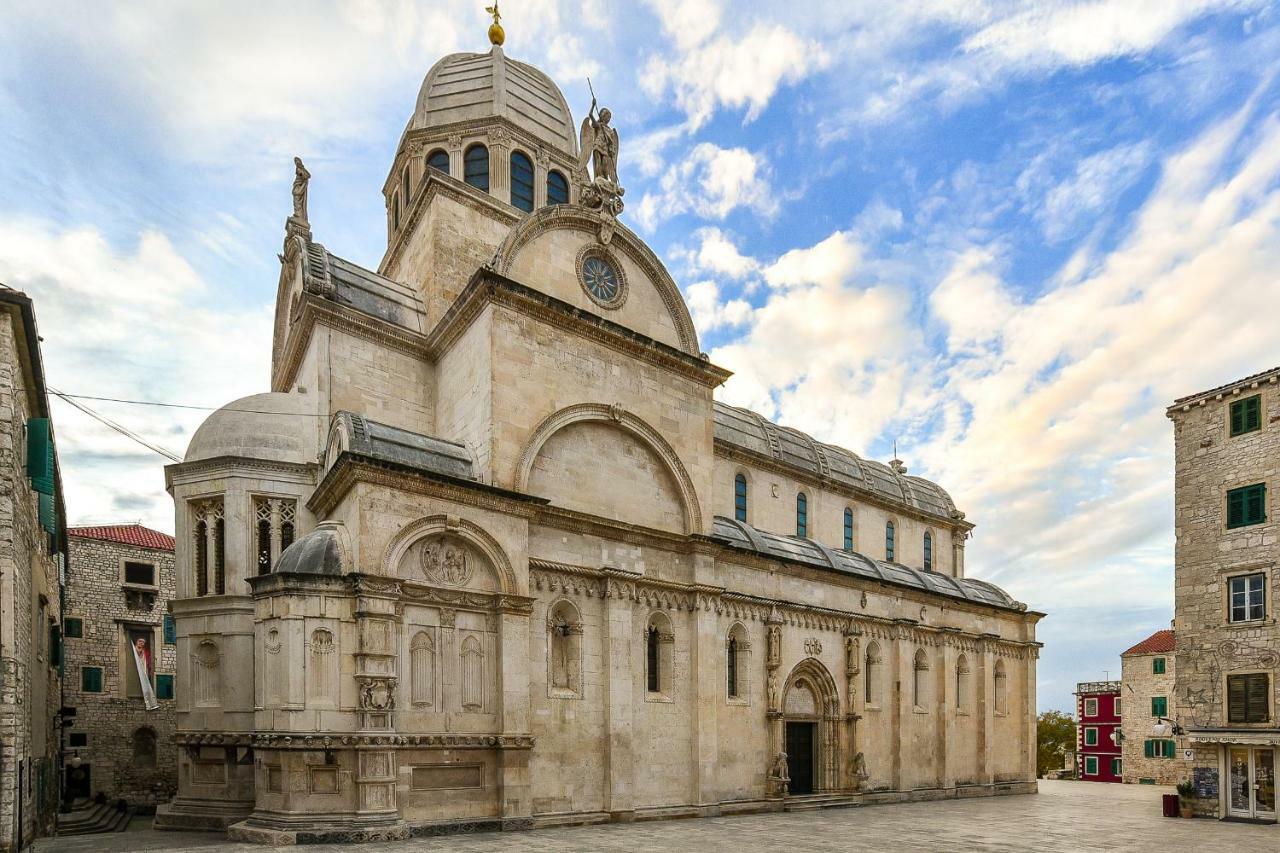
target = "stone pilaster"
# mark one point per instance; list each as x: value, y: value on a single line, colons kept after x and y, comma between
x: 619, y: 795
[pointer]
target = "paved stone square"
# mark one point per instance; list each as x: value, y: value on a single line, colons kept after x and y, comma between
x: 1064, y: 816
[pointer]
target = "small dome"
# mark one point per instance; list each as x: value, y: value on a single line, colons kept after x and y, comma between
x: 465, y: 86
x: 279, y: 427
x: 317, y: 553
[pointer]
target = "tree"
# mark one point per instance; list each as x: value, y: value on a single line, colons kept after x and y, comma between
x: 1055, y: 737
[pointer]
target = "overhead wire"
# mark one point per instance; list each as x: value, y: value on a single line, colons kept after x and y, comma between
x: 123, y: 430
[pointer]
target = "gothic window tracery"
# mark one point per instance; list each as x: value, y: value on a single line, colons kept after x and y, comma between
x: 274, y: 529
x: 658, y: 655
x: 208, y: 533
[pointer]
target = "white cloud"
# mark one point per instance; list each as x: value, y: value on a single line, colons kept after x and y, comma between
x: 710, y: 182
x: 827, y: 264
x: 709, y: 312
x: 135, y: 324
x: 706, y: 73
x: 717, y: 254
x: 1098, y: 182
x: 972, y: 300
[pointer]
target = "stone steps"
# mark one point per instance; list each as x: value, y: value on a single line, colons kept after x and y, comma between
x: 811, y: 802
x: 89, y: 818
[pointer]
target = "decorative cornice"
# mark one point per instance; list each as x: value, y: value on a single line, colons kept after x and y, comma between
x: 352, y: 468
x: 183, y: 473
x: 487, y: 287
x: 574, y: 521
x: 337, y: 740
x: 315, y: 310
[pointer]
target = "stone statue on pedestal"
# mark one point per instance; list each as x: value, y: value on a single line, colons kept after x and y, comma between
x: 300, y: 178
x: 780, y: 775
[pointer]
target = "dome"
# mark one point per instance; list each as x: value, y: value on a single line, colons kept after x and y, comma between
x: 466, y: 86
x: 317, y: 553
x: 278, y: 427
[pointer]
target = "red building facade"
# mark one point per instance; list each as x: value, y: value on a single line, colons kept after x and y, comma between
x: 1098, y: 732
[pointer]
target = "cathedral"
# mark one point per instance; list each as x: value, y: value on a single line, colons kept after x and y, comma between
x: 490, y: 555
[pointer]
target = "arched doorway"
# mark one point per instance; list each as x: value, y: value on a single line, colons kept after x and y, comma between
x: 810, y: 728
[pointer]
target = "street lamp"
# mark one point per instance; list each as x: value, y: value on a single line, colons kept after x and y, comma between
x: 1117, y: 737
x: 1165, y: 727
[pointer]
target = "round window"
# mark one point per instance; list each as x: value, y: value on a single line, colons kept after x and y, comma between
x: 601, y: 278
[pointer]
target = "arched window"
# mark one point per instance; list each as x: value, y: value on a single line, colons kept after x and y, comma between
x: 740, y: 497
x: 557, y: 188
x: 658, y: 641
x: 201, y: 534
x: 405, y: 186
x: 919, y: 680
x: 890, y: 551
x: 144, y: 748
x: 564, y: 628
x: 1001, y: 689
x: 731, y: 666
x: 848, y: 529
x: 521, y: 182
x: 476, y: 167
x: 871, y: 675
x: 802, y: 515
x: 422, y: 669
x: 438, y: 160
x: 962, y: 684
x: 651, y: 668
x: 928, y: 552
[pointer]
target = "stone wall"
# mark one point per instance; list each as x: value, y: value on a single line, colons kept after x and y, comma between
x: 1208, y: 462
x: 1140, y: 685
x: 119, y: 766
x: 29, y: 587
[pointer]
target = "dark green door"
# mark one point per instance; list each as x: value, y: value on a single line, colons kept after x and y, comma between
x: 800, y: 756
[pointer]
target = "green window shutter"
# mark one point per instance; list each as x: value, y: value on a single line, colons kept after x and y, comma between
x: 1236, y: 711
x: 40, y: 454
x: 1257, y: 686
x: 170, y: 631
x: 164, y: 686
x: 91, y: 679
x: 55, y: 646
x: 48, y: 513
x: 73, y: 627
x: 1237, y: 417
x: 1159, y: 706
x: 1147, y: 750
x: 1157, y: 666
x: 1255, y: 509
x: 1253, y: 413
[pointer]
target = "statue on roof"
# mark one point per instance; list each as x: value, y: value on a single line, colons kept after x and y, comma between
x: 600, y: 189
x: 300, y: 178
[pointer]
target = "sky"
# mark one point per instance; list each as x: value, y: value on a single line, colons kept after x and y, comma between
x: 1005, y: 235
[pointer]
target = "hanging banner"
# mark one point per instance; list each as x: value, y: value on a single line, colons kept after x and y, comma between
x: 142, y: 659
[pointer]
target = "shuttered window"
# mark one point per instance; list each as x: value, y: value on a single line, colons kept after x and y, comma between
x: 170, y: 631
x: 1155, y: 748
x: 1091, y: 765
x: 164, y: 686
x: 1246, y: 415
x: 1247, y: 697
x: 1157, y: 666
x: 1247, y: 505
x: 1159, y: 706
x: 91, y: 679
x: 73, y: 627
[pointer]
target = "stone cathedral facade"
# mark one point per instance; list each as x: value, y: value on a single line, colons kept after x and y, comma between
x: 490, y: 555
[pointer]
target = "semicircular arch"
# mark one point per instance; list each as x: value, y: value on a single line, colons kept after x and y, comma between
x: 468, y: 531
x: 578, y: 218
x: 638, y: 428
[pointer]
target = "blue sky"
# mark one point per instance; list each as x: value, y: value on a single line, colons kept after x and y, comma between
x: 1004, y: 234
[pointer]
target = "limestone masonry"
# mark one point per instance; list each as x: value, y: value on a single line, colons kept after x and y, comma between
x: 489, y: 555
x: 120, y: 582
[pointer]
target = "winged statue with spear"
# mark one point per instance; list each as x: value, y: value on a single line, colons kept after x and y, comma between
x: 599, y: 144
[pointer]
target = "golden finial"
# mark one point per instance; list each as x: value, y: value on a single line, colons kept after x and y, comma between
x: 496, y: 34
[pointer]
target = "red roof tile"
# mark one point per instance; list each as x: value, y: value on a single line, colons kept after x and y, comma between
x: 1160, y: 641
x: 125, y: 534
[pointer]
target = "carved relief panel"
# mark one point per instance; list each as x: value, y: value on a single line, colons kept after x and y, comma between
x: 449, y: 562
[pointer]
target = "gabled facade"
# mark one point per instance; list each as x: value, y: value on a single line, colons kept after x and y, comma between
x: 1148, y: 671
x: 489, y: 555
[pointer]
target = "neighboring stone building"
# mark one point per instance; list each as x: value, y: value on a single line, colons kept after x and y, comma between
x: 118, y: 591
x: 1227, y: 564
x: 32, y: 559
x: 490, y: 556
x: 1099, y: 710
x: 1147, y: 673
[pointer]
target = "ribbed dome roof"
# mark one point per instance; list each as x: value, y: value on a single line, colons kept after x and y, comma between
x: 466, y: 86
x: 317, y: 553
